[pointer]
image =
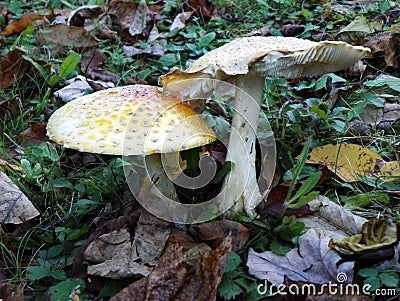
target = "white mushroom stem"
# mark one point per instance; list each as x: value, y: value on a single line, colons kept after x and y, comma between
x: 156, y: 180
x: 240, y: 186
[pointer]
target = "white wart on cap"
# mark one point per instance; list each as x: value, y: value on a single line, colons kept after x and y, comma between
x: 130, y: 120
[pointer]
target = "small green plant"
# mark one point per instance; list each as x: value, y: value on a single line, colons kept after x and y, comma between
x: 236, y: 282
x: 376, y: 280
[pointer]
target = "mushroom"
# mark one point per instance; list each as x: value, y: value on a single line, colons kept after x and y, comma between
x: 130, y: 121
x: 248, y: 61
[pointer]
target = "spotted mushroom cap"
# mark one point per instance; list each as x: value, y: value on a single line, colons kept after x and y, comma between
x: 268, y: 56
x: 130, y: 120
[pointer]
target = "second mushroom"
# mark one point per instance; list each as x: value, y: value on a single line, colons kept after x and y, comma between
x: 248, y: 61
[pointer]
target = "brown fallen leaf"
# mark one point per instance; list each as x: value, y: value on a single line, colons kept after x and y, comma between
x: 11, y: 107
x: 25, y: 20
x: 15, y: 207
x: 60, y: 37
x: 135, y: 19
x: 204, y: 277
x: 91, y: 66
x: 11, y: 292
x: 35, y: 134
x: 388, y: 44
x: 205, y: 7
x: 164, y: 280
x: 214, y: 233
x: 275, y: 200
x: 12, y: 68
x: 78, y: 16
x: 182, y: 273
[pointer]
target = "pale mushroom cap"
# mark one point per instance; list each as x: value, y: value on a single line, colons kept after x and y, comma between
x: 130, y: 120
x: 270, y: 56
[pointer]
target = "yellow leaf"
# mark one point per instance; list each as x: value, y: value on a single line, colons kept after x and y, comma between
x: 391, y: 169
x: 348, y: 161
x: 376, y: 234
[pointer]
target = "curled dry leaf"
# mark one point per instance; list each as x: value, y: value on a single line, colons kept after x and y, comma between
x: 376, y: 234
x: 25, y: 20
x: 78, y: 86
x: 313, y: 261
x: 12, y: 68
x: 359, y: 29
x: 388, y: 44
x: 78, y: 16
x: 180, y: 19
x: 118, y: 257
x: 15, y: 207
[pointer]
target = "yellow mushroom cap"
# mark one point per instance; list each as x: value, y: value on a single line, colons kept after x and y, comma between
x: 130, y: 120
x: 286, y: 57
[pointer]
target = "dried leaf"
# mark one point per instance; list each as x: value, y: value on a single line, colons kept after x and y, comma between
x: 164, y: 281
x: 35, y: 134
x: 387, y: 43
x: 94, y: 60
x: 139, y: 19
x: 13, y: 68
x: 135, y: 19
x: 376, y: 234
x: 15, y: 207
x: 91, y: 67
x: 180, y: 19
x: 350, y: 161
x: 113, y: 254
x: 60, y: 37
x: 341, y: 221
x: 11, y: 107
x: 151, y: 235
x: 358, y: 29
x: 391, y: 113
x: 78, y: 86
x: 214, y: 233
x: 186, y: 269
x: 25, y: 20
x: 11, y: 292
x: 78, y: 16
x: 313, y: 261
x: 118, y: 257
x: 205, y: 7
x: 157, y: 50
x: 204, y: 277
